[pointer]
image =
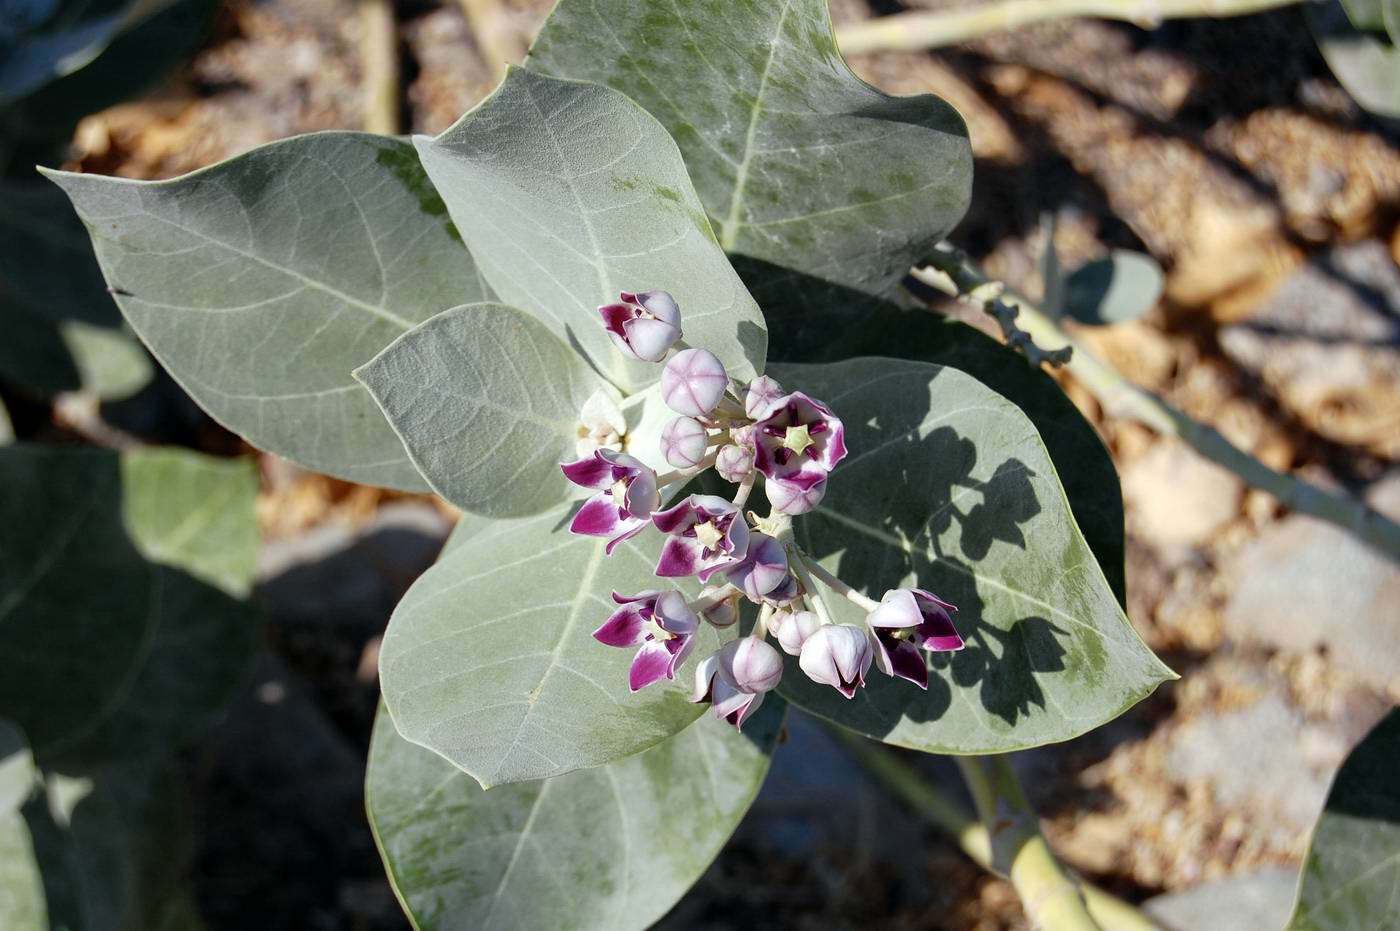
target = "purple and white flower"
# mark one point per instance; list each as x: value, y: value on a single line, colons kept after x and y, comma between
x: 693, y: 382
x: 793, y: 497
x: 763, y: 392
x: 736, y: 677
x: 683, y: 442
x: 733, y: 462
x: 798, y: 441
x: 785, y: 592
x: 626, y: 496
x: 909, y: 620
x: 837, y: 655
x: 661, y: 623
x: 704, y: 534
x: 719, y: 605
x: 763, y: 568
x: 643, y: 326
x: 793, y: 629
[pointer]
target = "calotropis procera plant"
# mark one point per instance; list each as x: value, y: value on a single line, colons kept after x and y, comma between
x: 794, y: 442
x: 424, y: 315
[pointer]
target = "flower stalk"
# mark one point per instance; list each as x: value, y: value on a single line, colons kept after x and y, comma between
x: 951, y: 271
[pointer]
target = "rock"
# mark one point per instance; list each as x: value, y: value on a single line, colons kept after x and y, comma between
x: 1326, y: 344
x: 1242, y: 753
x: 1252, y: 902
x: 1305, y: 584
x: 1176, y: 497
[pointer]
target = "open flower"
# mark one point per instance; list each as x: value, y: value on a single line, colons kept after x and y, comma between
x: 644, y: 325
x: 763, y: 568
x: 736, y: 677
x: 798, y: 441
x: 837, y: 655
x: 661, y: 623
x: 693, y: 382
x: 626, y: 495
x: 704, y: 535
x: 909, y: 620
x: 601, y: 425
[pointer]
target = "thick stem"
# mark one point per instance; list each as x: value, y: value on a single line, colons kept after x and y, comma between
x: 81, y: 412
x: 916, y: 791
x: 952, y: 273
x: 1051, y: 898
x: 933, y: 29
x: 741, y: 496
x: 379, y: 59
x: 841, y: 588
x: 666, y: 478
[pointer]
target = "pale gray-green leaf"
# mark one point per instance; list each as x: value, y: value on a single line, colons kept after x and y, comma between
x: 194, y: 513
x: 948, y: 487
x: 1351, y: 875
x: 489, y: 659
x: 800, y: 164
x: 7, y: 430
x: 105, y: 653
x: 1116, y: 289
x: 263, y: 281
x: 1366, y: 63
x: 486, y: 399
x: 610, y: 847
x: 570, y: 193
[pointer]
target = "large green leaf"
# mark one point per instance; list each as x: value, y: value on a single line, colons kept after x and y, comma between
x: 1365, y: 62
x: 570, y: 193
x: 1083, y: 462
x: 799, y: 163
x: 489, y: 659
x: 948, y: 486
x: 486, y: 399
x: 261, y: 282
x: 104, y: 653
x: 1351, y: 876
x: 16, y: 768
x: 100, y: 850
x: 610, y: 847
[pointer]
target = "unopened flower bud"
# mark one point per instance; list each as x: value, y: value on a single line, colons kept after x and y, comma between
x: 644, y: 325
x: 683, y: 442
x: 693, y: 382
x: 736, y: 677
x: 744, y: 435
x: 793, y: 628
x: 837, y: 655
x: 762, y: 569
x: 792, y: 497
x: 754, y: 664
x: 721, y: 613
x: 733, y: 463
x: 763, y: 391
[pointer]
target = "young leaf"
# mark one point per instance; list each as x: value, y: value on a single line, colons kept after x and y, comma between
x: 1351, y: 875
x: 261, y: 282
x: 1116, y: 289
x: 949, y: 487
x: 611, y: 847
x: 570, y: 193
x: 106, y: 653
x: 489, y: 660
x: 799, y: 163
x: 486, y: 399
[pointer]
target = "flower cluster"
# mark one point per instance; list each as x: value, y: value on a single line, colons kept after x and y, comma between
x: 742, y: 431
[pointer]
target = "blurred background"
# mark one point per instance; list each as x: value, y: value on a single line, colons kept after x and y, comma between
x: 1225, y: 150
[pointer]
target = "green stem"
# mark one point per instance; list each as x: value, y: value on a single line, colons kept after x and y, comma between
x: 1051, y: 898
x: 952, y: 273
x: 911, y: 787
x: 917, y: 30
x: 809, y: 586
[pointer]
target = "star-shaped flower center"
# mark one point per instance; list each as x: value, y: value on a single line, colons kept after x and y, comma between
x: 708, y: 534
x: 798, y: 439
x: 657, y: 632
